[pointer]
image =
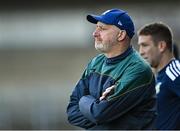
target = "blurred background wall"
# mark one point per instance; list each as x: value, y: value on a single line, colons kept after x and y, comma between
x: 44, y: 48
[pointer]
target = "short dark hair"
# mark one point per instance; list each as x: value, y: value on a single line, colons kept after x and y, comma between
x: 159, y: 32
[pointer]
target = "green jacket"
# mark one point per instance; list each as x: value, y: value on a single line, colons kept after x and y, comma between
x: 131, y: 106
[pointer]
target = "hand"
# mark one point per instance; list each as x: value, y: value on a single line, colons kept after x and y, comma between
x: 107, y: 91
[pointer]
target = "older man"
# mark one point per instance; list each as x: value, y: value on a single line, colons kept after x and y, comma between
x: 117, y: 88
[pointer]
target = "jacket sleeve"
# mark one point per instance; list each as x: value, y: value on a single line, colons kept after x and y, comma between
x: 173, y: 77
x: 75, y: 117
x: 130, y: 92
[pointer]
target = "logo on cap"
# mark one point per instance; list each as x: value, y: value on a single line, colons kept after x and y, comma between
x: 119, y: 23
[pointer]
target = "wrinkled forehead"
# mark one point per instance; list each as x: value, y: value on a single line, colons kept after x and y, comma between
x: 101, y: 24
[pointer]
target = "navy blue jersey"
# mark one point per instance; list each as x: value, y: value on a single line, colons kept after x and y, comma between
x: 168, y: 96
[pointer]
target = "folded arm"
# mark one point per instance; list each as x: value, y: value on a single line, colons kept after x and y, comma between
x: 128, y: 94
x: 75, y: 117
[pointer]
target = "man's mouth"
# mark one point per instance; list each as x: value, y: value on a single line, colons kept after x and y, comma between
x: 145, y: 58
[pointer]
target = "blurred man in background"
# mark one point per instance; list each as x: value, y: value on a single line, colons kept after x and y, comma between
x: 117, y: 88
x: 155, y: 46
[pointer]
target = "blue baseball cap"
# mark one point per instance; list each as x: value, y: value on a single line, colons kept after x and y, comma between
x: 116, y: 17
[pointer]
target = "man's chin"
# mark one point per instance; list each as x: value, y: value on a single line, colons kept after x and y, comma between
x: 100, y: 50
x: 147, y: 61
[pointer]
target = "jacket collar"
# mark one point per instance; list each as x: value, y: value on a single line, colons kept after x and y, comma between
x: 120, y: 57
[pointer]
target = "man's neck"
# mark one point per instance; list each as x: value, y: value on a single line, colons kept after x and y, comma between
x: 118, y: 50
x: 166, y: 58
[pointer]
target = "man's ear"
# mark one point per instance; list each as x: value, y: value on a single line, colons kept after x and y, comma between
x: 122, y: 34
x: 162, y: 46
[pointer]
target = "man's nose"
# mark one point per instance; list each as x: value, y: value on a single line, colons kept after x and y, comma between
x: 141, y: 52
x: 96, y: 33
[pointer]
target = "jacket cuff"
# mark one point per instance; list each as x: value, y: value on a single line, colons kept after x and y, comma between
x: 85, y: 105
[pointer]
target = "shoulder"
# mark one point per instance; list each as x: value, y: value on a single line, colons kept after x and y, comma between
x: 139, y: 64
x: 137, y: 58
x: 173, y: 70
x: 138, y: 69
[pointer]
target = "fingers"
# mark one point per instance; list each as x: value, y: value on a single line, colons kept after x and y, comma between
x: 106, y: 92
x: 110, y: 88
x: 101, y: 98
